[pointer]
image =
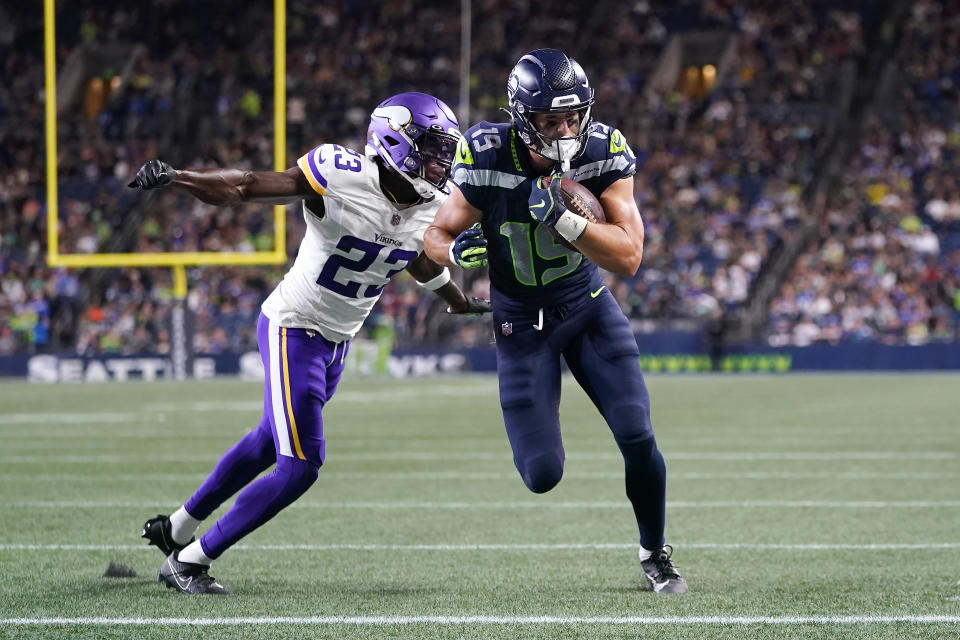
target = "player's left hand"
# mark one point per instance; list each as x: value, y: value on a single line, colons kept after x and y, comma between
x: 154, y: 173
x: 546, y: 203
x: 473, y: 305
x: 469, y: 249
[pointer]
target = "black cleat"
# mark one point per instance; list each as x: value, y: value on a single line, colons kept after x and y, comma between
x: 662, y: 573
x: 189, y: 578
x: 157, y: 532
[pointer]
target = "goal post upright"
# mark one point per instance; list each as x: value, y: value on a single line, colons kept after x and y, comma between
x: 177, y: 261
x: 163, y: 259
x: 280, y: 117
x: 50, y: 115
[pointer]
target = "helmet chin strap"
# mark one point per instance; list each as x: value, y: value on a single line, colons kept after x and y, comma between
x: 423, y: 188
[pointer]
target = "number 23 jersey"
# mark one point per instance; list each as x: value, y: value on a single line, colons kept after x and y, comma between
x: 493, y: 173
x: 351, y: 251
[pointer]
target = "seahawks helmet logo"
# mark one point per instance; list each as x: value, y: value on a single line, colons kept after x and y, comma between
x: 512, y: 85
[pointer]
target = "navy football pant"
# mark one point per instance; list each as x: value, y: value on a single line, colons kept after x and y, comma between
x: 594, y: 338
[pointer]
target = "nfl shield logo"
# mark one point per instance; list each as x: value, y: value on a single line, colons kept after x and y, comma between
x: 395, y: 220
x: 506, y: 328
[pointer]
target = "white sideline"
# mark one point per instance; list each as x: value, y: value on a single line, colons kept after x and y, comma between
x: 341, y: 396
x: 500, y: 547
x: 247, y: 406
x: 490, y: 620
x: 511, y: 475
x: 504, y: 455
x: 526, y: 504
x: 70, y: 418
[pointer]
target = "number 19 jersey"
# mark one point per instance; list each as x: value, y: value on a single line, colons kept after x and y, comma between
x: 493, y: 172
x: 351, y: 250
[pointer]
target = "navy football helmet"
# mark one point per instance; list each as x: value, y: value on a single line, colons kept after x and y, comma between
x: 549, y: 81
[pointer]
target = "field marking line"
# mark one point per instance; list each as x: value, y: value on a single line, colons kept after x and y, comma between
x: 493, y: 620
x: 502, y: 547
x: 332, y: 475
x: 810, y: 455
x: 207, y: 406
x: 528, y: 504
x: 505, y: 455
x: 251, y: 406
x: 71, y: 418
x: 341, y: 396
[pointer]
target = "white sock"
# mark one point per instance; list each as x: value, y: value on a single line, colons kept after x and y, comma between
x: 645, y: 553
x: 182, y: 526
x: 193, y: 554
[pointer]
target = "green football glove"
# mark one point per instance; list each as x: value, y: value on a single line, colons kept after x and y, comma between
x: 469, y: 250
x: 546, y: 203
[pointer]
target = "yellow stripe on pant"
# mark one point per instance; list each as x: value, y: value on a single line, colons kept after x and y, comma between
x: 286, y: 385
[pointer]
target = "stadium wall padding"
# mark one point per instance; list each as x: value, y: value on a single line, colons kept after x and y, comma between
x: 667, y: 352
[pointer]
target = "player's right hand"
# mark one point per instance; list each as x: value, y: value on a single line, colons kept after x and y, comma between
x: 153, y: 174
x: 469, y: 250
x: 546, y: 201
x: 474, y: 306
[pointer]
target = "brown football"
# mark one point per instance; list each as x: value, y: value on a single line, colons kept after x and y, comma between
x: 580, y: 201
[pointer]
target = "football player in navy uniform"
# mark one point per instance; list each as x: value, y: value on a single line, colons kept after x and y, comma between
x: 366, y: 214
x: 548, y: 300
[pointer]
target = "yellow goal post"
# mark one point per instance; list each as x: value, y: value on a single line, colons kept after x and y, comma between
x: 176, y: 260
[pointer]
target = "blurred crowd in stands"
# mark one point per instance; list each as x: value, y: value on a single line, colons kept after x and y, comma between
x: 722, y: 177
x: 885, y: 262
x: 729, y: 154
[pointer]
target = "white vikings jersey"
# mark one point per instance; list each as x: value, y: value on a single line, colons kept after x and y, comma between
x: 350, y: 253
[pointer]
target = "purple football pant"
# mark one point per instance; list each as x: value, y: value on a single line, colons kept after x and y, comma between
x: 302, y: 370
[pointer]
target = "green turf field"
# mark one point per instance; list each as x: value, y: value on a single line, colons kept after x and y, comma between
x: 799, y: 507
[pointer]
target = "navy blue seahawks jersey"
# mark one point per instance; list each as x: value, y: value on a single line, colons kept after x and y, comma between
x: 494, y: 174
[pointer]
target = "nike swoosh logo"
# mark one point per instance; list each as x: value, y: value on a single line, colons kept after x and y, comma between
x: 537, y: 206
x: 176, y: 577
x: 594, y: 294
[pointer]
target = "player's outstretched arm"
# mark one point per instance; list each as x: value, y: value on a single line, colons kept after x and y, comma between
x: 433, y: 277
x: 616, y: 246
x: 226, y: 186
x: 453, y: 239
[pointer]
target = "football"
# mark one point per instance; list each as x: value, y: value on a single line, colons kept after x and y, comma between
x: 580, y: 201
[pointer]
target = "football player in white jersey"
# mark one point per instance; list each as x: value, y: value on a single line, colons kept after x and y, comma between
x: 366, y: 215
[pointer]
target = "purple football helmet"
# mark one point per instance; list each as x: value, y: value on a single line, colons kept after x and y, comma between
x: 409, y: 129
